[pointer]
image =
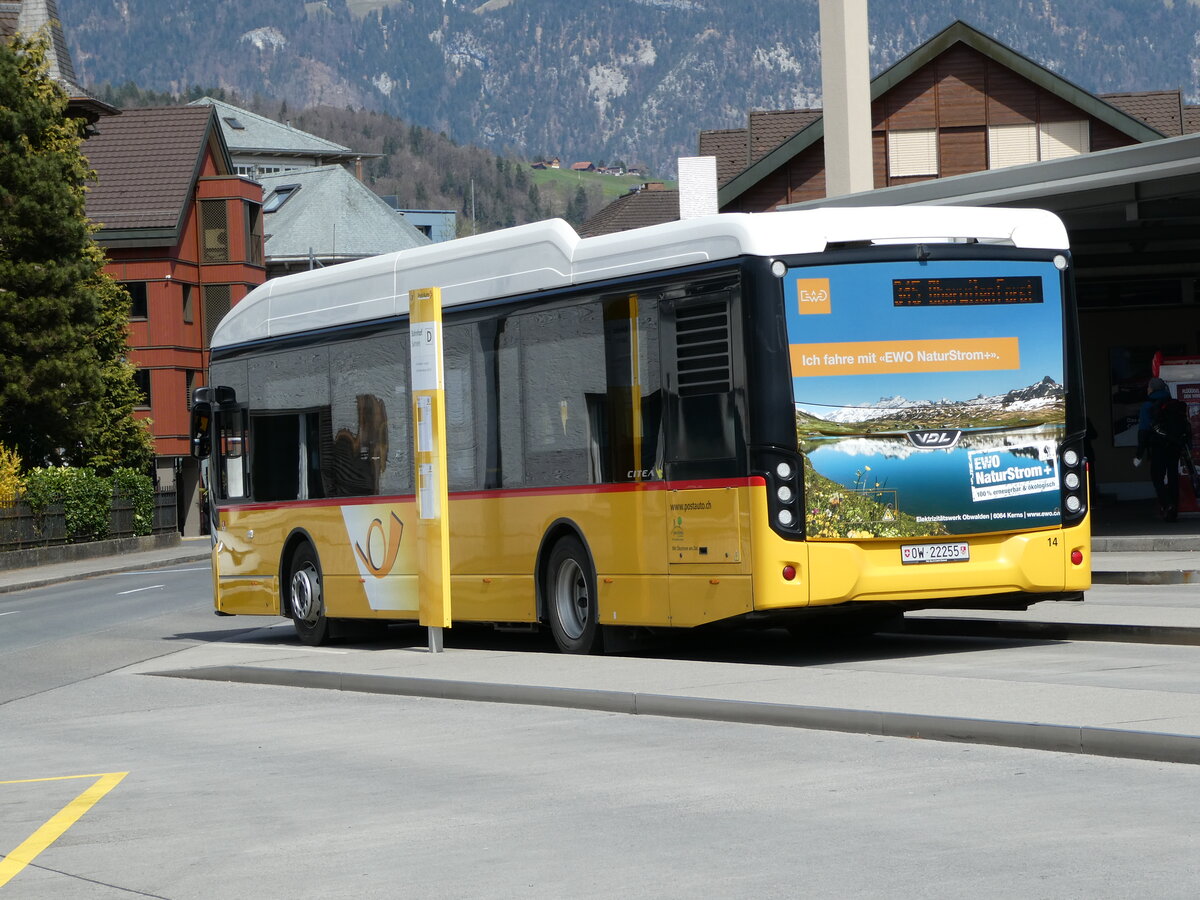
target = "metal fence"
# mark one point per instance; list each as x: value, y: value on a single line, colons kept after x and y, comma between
x: 21, y: 529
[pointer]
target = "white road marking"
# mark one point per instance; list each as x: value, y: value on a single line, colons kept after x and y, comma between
x: 10, y: 613
x: 166, y: 571
x: 138, y: 590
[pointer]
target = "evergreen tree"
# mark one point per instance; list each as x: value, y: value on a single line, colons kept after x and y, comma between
x: 65, y: 387
x: 577, y: 209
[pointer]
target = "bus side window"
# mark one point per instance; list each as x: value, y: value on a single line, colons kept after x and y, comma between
x: 562, y: 363
x: 231, y: 448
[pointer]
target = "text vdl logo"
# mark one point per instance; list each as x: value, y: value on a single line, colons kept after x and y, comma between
x: 942, y: 439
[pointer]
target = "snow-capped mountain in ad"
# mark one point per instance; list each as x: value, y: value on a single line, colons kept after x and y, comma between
x: 1045, y: 393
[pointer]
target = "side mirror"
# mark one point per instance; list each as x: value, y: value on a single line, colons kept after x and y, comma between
x: 201, y: 440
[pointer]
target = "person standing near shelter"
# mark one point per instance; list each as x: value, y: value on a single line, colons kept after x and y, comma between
x: 1164, y: 433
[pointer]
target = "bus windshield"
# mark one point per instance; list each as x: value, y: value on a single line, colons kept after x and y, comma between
x: 929, y: 396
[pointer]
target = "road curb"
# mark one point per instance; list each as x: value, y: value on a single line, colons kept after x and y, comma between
x: 1089, y: 740
x: 1177, y: 576
x: 1054, y: 631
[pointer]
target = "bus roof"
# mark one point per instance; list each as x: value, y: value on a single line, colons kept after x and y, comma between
x: 547, y: 255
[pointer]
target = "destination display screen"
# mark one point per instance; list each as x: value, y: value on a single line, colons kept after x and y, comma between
x: 966, y: 291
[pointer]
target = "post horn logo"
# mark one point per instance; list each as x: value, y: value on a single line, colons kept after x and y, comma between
x: 389, y: 543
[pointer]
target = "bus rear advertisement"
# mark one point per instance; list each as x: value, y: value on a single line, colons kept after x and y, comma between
x: 813, y: 420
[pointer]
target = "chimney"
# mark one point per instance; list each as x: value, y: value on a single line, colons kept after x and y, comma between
x: 846, y: 97
x: 697, y: 186
x: 358, y: 167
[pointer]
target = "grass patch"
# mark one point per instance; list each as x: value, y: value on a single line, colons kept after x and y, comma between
x: 564, y: 182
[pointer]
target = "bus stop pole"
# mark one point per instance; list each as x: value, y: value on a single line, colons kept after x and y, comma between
x: 429, y: 461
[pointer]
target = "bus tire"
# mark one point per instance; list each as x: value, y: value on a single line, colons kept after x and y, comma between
x: 571, y: 599
x: 306, y: 596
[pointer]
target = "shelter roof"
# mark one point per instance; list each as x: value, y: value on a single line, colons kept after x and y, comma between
x: 1162, y: 172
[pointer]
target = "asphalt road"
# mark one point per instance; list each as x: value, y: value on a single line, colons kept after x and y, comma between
x: 59, y: 635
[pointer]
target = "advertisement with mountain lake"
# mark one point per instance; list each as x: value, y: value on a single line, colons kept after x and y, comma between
x: 929, y: 396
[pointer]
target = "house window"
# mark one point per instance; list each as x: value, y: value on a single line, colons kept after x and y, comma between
x: 189, y: 305
x: 140, y: 307
x: 1059, y: 139
x: 279, y: 196
x: 141, y: 379
x: 1015, y: 145
x: 216, y: 305
x: 1012, y: 145
x: 191, y: 380
x: 254, y: 233
x: 233, y: 123
x: 912, y: 152
x: 214, y: 229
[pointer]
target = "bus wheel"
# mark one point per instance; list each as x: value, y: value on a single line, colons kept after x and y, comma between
x: 571, y: 602
x: 307, y: 596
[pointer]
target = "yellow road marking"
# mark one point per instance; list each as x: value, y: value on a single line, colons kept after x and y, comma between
x: 55, y: 826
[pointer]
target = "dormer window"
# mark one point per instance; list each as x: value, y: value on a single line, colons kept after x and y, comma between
x: 279, y: 196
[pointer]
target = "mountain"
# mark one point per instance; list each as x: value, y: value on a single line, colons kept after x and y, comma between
x: 634, y: 80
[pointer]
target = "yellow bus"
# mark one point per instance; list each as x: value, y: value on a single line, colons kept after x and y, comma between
x: 798, y: 419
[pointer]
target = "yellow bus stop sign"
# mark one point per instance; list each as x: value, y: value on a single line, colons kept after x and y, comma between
x: 429, y: 439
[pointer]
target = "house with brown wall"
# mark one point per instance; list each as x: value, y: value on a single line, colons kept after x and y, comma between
x: 962, y: 102
x: 184, y: 236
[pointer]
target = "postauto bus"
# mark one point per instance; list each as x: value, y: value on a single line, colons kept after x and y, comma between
x: 792, y: 418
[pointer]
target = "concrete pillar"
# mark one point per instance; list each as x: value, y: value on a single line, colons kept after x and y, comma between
x: 846, y: 97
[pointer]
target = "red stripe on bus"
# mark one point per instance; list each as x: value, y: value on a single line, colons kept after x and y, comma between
x: 697, y: 485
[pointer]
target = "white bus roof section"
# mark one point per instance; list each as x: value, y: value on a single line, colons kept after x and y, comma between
x: 547, y: 255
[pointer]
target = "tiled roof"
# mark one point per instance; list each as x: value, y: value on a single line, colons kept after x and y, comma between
x: 729, y: 147
x: 1191, y: 119
x: 771, y: 127
x: 636, y: 209
x: 8, y: 19
x: 29, y: 18
x: 260, y: 133
x: 146, y: 162
x: 737, y: 148
x: 1161, y: 110
x: 332, y: 214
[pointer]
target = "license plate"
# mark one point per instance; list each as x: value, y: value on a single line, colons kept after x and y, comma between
x: 934, y: 553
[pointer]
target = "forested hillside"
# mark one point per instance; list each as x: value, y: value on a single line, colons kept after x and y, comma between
x: 629, y: 79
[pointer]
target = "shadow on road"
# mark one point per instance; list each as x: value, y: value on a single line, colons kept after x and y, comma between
x: 765, y: 646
